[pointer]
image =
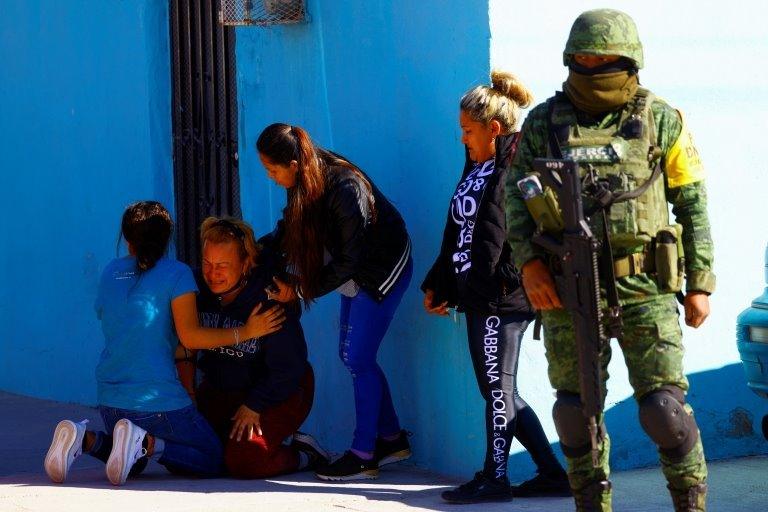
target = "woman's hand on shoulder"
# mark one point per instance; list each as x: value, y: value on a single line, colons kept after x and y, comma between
x: 432, y: 308
x: 261, y: 323
x: 281, y: 292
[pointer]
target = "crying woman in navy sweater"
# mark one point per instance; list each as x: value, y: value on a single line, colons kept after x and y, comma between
x: 257, y: 392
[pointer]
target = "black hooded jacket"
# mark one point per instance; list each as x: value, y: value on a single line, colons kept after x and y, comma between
x: 372, y: 252
x: 492, y: 284
x: 271, y: 367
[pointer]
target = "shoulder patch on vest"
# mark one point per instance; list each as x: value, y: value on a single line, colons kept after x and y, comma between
x: 682, y: 162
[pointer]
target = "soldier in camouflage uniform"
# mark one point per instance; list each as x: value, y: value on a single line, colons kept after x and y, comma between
x: 607, y: 123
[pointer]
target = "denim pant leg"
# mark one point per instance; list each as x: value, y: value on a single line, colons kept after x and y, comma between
x: 364, y: 324
x: 389, y: 424
x: 191, y: 445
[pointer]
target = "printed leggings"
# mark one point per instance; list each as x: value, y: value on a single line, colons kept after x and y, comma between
x: 494, y: 344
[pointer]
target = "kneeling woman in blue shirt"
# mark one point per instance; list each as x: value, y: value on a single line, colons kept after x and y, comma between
x: 144, y: 301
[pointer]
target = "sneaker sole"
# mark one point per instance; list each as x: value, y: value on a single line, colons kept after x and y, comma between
x: 489, y: 499
x: 554, y: 494
x: 396, y: 457
x: 310, y: 441
x: 371, y: 474
x: 117, y: 470
x: 61, y: 452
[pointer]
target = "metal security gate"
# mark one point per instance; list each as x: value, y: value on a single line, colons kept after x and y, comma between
x: 205, y: 157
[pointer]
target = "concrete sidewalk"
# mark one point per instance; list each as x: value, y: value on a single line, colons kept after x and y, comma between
x: 26, y: 425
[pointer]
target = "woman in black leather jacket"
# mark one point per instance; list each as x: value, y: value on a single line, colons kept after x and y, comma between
x: 474, y: 273
x: 339, y: 232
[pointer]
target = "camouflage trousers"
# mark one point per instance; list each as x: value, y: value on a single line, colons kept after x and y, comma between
x: 653, y: 352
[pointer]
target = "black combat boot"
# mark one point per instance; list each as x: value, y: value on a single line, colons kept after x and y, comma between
x: 595, y: 497
x: 480, y: 489
x: 544, y: 485
x: 693, y: 499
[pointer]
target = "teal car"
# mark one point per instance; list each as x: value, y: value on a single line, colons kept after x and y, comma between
x: 752, y: 341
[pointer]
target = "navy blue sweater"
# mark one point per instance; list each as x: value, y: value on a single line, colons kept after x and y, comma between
x: 270, y: 367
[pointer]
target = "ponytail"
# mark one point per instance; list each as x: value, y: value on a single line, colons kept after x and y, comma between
x: 311, y: 178
x: 303, y: 241
x: 304, y: 217
x: 501, y: 101
x: 511, y: 87
x: 147, y: 226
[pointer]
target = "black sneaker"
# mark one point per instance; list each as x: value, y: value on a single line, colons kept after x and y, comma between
x: 349, y: 467
x: 479, y: 490
x: 544, y: 486
x: 307, y: 444
x: 389, y: 452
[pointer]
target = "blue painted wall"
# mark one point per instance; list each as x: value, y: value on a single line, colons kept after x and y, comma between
x: 84, y: 129
x: 379, y: 82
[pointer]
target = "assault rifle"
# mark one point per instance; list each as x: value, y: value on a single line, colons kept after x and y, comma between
x: 577, y: 253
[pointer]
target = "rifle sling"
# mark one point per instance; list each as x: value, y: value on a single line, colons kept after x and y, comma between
x: 537, y: 327
x: 635, y: 193
x: 554, y: 143
x: 612, y: 292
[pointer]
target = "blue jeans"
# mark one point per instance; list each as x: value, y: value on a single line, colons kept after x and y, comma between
x: 363, y: 324
x: 191, y: 445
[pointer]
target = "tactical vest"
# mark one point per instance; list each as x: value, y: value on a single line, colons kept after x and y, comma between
x: 624, y: 154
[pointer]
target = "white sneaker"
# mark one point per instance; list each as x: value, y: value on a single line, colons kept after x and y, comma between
x: 127, y: 448
x: 66, y: 446
x: 317, y: 456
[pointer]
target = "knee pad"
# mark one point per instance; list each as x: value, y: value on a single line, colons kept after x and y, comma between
x: 667, y: 423
x: 571, y: 425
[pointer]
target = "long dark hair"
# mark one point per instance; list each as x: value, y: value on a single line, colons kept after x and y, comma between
x: 304, y: 218
x: 147, y: 226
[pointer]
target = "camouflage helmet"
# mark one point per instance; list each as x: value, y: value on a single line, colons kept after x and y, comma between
x: 604, y: 32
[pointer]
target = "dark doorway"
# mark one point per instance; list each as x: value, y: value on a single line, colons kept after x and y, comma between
x: 205, y: 157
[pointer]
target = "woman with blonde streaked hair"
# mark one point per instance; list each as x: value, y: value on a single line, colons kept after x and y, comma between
x: 474, y: 273
x: 258, y: 392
